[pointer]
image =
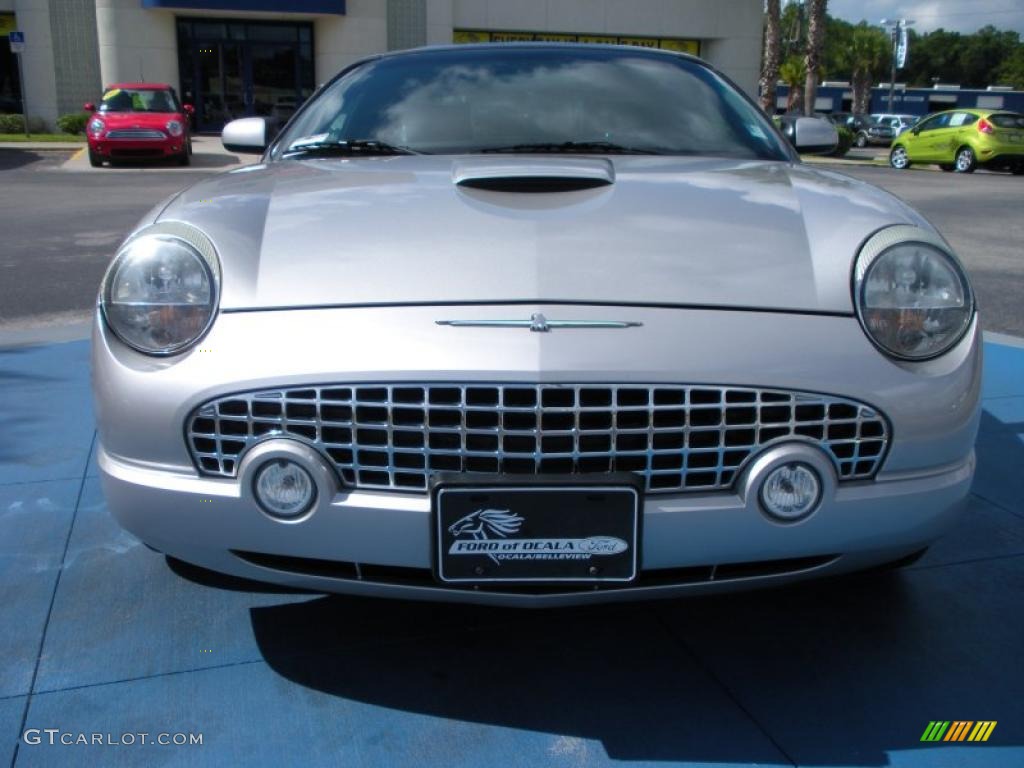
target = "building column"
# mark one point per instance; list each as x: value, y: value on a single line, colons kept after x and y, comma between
x: 76, y: 60
x: 136, y: 44
x: 36, y: 61
x: 407, y: 24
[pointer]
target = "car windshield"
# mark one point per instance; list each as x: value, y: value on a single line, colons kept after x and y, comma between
x: 139, y: 100
x: 526, y: 98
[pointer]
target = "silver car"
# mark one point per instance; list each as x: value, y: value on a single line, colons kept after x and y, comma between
x: 534, y: 325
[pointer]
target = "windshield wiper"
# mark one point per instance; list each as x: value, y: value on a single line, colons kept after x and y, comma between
x: 599, y: 147
x: 346, y: 147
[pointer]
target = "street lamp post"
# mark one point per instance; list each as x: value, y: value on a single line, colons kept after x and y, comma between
x: 897, y: 28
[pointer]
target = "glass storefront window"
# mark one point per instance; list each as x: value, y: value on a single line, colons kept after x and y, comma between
x: 232, y: 69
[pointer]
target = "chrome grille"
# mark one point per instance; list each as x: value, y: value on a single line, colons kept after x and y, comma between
x: 678, y: 438
x: 136, y: 133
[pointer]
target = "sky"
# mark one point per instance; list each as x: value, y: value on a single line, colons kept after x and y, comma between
x: 958, y: 15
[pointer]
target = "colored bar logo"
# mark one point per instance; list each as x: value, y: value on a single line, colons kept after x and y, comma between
x: 958, y: 730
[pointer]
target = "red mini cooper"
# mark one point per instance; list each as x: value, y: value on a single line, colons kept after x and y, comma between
x: 139, y: 121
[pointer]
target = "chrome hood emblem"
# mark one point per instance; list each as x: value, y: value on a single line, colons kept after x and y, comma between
x: 538, y: 323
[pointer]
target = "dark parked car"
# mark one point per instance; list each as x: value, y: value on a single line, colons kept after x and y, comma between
x: 855, y: 122
x: 883, y: 129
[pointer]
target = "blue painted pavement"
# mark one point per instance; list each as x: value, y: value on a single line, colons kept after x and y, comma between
x: 100, y: 635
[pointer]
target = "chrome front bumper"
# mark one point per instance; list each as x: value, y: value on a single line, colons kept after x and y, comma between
x: 155, y: 491
x: 206, y: 521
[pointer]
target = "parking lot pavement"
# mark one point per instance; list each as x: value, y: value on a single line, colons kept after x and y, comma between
x: 207, y: 154
x: 98, y: 634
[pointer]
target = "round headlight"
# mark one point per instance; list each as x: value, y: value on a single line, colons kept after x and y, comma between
x: 174, y: 127
x: 160, y: 294
x: 95, y: 126
x: 912, y: 296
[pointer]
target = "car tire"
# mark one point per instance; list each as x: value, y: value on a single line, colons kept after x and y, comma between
x: 185, y: 158
x: 95, y: 160
x: 898, y: 158
x: 966, y: 162
x: 1017, y: 170
x: 861, y: 141
x: 948, y: 167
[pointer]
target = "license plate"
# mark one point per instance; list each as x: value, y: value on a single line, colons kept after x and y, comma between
x: 534, y: 531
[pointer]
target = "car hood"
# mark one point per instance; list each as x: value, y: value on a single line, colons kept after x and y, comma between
x: 137, y: 119
x: 664, y: 231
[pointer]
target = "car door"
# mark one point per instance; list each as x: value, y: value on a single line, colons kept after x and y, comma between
x: 918, y: 141
x: 959, y: 133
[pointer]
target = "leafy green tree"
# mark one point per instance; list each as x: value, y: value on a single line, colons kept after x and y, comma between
x: 836, y: 56
x: 983, y: 53
x: 1011, y: 71
x: 868, y: 56
x: 793, y: 73
x: 791, y: 29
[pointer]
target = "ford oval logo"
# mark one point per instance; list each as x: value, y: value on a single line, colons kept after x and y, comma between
x: 602, y: 545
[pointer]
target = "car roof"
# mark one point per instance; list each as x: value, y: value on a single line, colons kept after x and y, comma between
x: 140, y: 86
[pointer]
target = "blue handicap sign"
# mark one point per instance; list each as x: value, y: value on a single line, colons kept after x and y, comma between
x: 17, y: 37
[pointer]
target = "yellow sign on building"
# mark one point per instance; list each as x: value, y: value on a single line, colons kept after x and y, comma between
x: 7, y: 24
x: 486, y: 36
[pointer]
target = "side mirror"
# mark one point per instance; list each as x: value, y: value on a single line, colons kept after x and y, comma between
x: 189, y: 109
x: 247, y: 135
x: 814, y: 137
x: 89, y: 106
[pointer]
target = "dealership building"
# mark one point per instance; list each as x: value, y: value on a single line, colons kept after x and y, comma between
x: 232, y: 58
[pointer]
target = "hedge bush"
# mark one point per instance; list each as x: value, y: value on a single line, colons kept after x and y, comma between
x: 16, y: 124
x: 845, y: 141
x: 73, y: 123
x: 11, y: 124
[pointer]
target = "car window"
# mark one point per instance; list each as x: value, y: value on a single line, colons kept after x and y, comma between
x: 958, y: 119
x: 470, y: 100
x: 1007, y: 120
x: 934, y: 122
x: 139, y: 100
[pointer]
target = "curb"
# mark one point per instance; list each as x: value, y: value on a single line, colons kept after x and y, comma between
x: 43, y: 146
x: 878, y: 162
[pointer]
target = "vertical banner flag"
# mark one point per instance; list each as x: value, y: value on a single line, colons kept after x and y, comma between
x: 902, y: 48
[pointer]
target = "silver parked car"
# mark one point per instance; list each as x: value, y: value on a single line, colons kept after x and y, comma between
x: 535, y: 325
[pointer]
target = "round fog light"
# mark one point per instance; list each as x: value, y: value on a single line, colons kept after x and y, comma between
x: 284, y: 489
x: 790, y: 491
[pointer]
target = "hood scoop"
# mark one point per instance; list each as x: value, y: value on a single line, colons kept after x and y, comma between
x: 533, y: 174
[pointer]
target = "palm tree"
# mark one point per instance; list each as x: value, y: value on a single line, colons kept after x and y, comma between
x: 816, y: 16
x: 868, y: 55
x: 772, y: 54
x: 794, y: 73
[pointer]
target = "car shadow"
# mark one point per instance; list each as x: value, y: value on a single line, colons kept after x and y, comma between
x: 842, y: 672
x: 12, y: 158
x: 803, y: 659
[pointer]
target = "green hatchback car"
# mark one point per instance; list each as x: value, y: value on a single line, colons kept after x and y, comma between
x: 962, y: 140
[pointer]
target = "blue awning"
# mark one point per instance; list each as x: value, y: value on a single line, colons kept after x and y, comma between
x: 273, y: 6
